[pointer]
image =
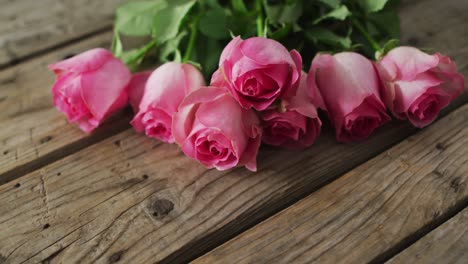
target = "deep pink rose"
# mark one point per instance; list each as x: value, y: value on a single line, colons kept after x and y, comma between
x: 258, y: 71
x: 214, y: 129
x: 165, y: 89
x: 90, y: 87
x: 295, y: 124
x: 136, y: 88
x: 418, y: 85
x: 350, y: 86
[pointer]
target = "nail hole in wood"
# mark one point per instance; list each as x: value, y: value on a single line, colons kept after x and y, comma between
x: 59, y: 173
x: 46, y: 139
x: 145, y: 177
x: 161, y: 208
x: 115, y: 257
x: 440, y: 146
x: 117, y: 142
x: 46, y: 226
x: 17, y: 185
x: 5, y: 152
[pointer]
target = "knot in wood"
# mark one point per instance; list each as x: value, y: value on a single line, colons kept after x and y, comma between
x: 162, y: 207
x: 115, y: 257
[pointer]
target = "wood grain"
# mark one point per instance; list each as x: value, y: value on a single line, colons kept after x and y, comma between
x: 145, y: 201
x: 370, y: 209
x: 129, y: 198
x: 446, y: 244
x: 29, y: 27
x: 33, y: 132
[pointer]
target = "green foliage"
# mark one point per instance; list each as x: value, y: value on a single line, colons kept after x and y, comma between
x: 167, y: 23
x: 136, y: 18
x: 196, y: 31
x: 371, y: 6
x: 213, y: 24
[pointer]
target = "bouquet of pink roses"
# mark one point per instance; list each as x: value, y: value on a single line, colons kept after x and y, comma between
x: 233, y: 74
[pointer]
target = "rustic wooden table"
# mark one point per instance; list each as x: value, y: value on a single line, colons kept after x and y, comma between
x: 67, y: 197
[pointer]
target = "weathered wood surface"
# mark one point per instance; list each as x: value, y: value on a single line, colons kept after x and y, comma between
x: 30, y: 27
x: 33, y: 132
x: 370, y: 210
x: 446, y: 244
x: 131, y: 198
x: 98, y: 204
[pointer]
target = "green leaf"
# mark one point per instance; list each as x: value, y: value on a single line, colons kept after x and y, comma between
x: 371, y: 6
x: 170, y: 50
x: 117, y: 47
x: 331, y: 3
x: 325, y: 36
x: 288, y: 12
x: 136, y: 18
x: 207, y: 53
x: 391, y: 44
x: 386, y: 22
x: 134, y: 57
x: 239, y: 6
x: 213, y: 24
x: 340, y: 13
x: 167, y: 22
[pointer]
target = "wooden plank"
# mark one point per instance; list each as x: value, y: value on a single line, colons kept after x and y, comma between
x: 446, y: 244
x: 33, y: 132
x: 368, y: 211
x: 132, y: 198
x: 97, y: 204
x: 29, y: 27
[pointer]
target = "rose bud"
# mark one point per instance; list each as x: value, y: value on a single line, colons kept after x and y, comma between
x: 259, y: 70
x: 214, y: 129
x: 90, y: 87
x: 164, y: 91
x: 296, y: 125
x: 136, y: 88
x: 418, y: 85
x: 349, y: 85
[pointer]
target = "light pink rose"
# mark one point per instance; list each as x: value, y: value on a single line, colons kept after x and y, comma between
x: 214, y: 129
x: 258, y: 71
x: 350, y: 86
x: 90, y: 87
x: 418, y: 85
x: 295, y: 124
x: 136, y: 88
x: 165, y: 89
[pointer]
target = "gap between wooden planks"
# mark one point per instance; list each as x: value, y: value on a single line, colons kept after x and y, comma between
x: 33, y: 132
x: 446, y: 244
x: 134, y: 199
x: 370, y: 210
x: 278, y: 203
x: 30, y: 27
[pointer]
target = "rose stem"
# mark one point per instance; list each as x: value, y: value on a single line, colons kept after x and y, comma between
x: 366, y: 35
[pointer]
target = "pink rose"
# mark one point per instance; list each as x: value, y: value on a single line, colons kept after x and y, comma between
x: 418, y: 85
x: 297, y: 124
x: 90, y: 87
x: 258, y: 71
x: 350, y: 86
x: 136, y: 88
x: 164, y: 91
x: 214, y: 129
